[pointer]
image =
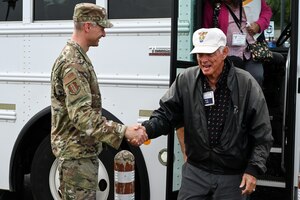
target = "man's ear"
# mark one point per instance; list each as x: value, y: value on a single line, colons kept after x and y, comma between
x: 225, y: 52
x: 86, y: 27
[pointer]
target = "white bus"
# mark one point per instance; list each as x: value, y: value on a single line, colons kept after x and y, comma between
x: 134, y: 67
x: 132, y: 64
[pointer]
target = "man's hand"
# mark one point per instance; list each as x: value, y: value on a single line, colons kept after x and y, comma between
x: 136, y: 135
x: 248, y: 184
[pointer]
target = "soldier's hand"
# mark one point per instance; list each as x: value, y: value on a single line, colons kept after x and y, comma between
x: 136, y: 135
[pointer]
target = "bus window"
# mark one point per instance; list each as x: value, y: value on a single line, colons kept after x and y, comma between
x: 281, y: 13
x: 132, y: 9
x: 56, y: 9
x: 11, y: 10
x: 280, y: 19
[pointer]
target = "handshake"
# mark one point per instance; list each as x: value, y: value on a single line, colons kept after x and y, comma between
x: 136, y: 135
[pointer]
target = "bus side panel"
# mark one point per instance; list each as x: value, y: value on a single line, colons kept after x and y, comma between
x: 130, y: 79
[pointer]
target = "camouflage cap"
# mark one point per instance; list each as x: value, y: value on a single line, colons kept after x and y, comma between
x: 89, y: 12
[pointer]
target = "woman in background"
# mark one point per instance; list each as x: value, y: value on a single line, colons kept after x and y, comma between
x: 217, y: 14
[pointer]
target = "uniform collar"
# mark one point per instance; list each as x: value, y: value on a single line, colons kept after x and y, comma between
x: 81, y: 51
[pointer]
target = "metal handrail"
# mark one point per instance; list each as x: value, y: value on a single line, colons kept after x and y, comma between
x: 287, y: 66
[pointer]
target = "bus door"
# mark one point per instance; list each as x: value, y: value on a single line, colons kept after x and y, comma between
x: 279, y: 88
x: 184, y: 23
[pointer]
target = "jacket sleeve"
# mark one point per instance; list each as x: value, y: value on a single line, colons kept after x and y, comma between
x: 168, y: 115
x: 85, y: 118
x: 260, y: 131
x: 265, y: 16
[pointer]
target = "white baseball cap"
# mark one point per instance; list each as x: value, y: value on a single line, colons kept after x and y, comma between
x: 208, y: 40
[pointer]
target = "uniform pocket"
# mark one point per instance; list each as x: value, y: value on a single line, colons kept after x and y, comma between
x: 81, y: 173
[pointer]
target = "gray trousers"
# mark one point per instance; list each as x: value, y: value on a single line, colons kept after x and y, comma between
x: 197, y: 184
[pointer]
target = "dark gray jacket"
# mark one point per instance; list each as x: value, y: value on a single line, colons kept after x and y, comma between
x: 246, y: 138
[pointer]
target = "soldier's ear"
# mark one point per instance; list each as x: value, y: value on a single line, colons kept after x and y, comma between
x: 86, y: 26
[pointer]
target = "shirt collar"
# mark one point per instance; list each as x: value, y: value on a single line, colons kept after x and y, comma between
x: 81, y: 51
x: 223, y: 77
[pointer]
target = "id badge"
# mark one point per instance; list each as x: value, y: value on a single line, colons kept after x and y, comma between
x: 209, y: 99
x: 238, y: 39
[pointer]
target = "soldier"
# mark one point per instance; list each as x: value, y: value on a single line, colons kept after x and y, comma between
x: 78, y: 127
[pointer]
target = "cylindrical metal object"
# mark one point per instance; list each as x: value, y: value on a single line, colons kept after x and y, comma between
x: 124, y: 175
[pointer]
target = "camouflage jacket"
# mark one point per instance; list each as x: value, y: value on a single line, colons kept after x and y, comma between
x: 78, y: 127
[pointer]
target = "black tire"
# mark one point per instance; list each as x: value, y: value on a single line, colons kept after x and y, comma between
x: 44, y: 175
x: 40, y: 168
x: 43, y: 160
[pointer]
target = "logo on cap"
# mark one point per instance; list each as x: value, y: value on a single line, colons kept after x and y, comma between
x: 202, y: 36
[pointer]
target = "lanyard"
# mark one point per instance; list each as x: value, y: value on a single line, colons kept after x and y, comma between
x: 236, y: 20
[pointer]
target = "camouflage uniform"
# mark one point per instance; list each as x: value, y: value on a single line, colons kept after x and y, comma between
x: 78, y: 127
x: 78, y: 178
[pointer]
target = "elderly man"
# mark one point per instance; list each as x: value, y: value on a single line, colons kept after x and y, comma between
x: 227, y: 131
x: 78, y: 128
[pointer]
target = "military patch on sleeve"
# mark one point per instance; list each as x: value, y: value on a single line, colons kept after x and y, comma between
x: 69, y: 77
x: 73, y: 87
